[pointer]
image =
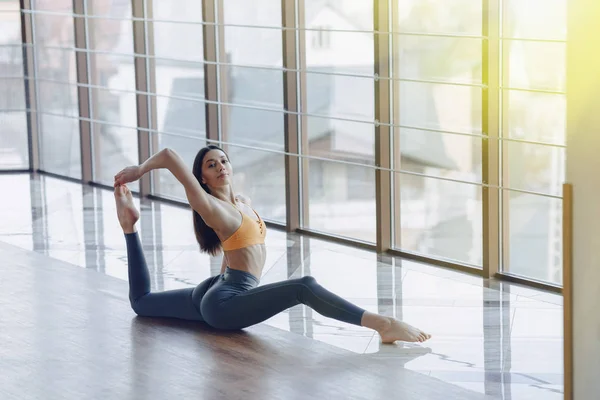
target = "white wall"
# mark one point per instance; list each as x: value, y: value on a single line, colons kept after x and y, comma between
x: 583, y: 166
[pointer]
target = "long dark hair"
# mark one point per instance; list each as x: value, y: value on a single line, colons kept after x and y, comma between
x: 207, y: 238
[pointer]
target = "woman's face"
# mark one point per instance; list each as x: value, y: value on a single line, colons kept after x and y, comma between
x: 216, y: 169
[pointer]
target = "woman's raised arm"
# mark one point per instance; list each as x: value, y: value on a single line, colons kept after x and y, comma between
x: 199, y: 200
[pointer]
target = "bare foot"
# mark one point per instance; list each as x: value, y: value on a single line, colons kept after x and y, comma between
x: 398, y: 330
x: 126, y: 211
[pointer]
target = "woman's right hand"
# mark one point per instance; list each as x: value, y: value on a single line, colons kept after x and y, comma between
x: 129, y: 174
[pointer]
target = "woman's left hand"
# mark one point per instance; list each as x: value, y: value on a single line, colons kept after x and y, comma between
x: 129, y: 174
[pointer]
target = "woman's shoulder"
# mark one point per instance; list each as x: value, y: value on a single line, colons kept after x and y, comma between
x: 243, y: 199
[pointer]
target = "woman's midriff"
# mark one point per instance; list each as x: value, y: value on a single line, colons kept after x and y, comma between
x: 250, y: 259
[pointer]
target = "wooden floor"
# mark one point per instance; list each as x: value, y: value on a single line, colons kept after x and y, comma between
x: 69, y: 333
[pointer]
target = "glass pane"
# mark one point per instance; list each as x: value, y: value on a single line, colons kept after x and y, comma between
x: 444, y: 155
x: 255, y: 87
x: 256, y: 128
x: 11, y: 64
x: 538, y: 117
x: 341, y: 200
x: 54, y: 31
x: 115, y: 107
x: 339, y: 52
x: 341, y: 96
x: 358, y: 14
x: 258, y: 13
x: 57, y: 98
x: 535, y: 236
x: 119, y: 150
x: 347, y: 52
x: 168, y: 36
x: 534, y: 167
x: 10, y: 20
x: 187, y: 148
x: 168, y: 41
x: 184, y: 117
x: 440, y: 58
x: 535, y: 65
x: 109, y: 8
x: 181, y: 121
x: 51, y: 29
x: 438, y: 106
x: 252, y: 46
x: 176, y: 78
x: 49, y: 61
x: 532, y: 224
x: 13, y: 134
x: 13, y: 93
x: 339, y: 14
x: 115, y: 145
x: 260, y: 175
x: 341, y: 196
x: 439, y: 219
x: 535, y: 19
x: 14, y: 153
x: 11, y: 60
x: 110, y: 35
x: 60, y: 147
x: 341, y: 140
x: 440, y: 16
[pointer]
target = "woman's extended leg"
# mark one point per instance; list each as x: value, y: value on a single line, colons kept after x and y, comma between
x: 172, y: 303
x: 222, y: 310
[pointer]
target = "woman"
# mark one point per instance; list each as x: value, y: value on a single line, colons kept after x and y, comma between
x: 223, y: 221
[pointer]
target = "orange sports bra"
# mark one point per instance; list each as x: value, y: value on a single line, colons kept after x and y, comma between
x: 249, y: 233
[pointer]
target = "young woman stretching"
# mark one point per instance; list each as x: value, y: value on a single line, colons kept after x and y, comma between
x: 223, y: 221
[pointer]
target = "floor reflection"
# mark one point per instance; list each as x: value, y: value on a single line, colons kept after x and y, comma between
x: 491, y: 337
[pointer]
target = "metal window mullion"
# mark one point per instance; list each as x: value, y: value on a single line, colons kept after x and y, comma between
x: 505, y: 148
x: 491, y: 127
x: 97, y: 142
x: 141, y: 84
x: 396, y: 238
x: 382, y: 58
x: 302, y: 95
x: 83, y: 92
x: 30, y: 86
x: 291, y: 121
x: 396, y: 151
x: 149, y: 225
x: 211, y: 84
x: 223, y: 74
x: 151, y: 80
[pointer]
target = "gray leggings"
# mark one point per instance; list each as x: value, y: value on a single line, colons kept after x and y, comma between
x: 232, y: 300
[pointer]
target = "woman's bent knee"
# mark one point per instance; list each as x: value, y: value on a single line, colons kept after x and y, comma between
x: 136, y: 306
x: 308, y: 280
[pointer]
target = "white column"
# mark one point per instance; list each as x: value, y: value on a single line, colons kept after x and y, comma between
x: 583, y: 173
